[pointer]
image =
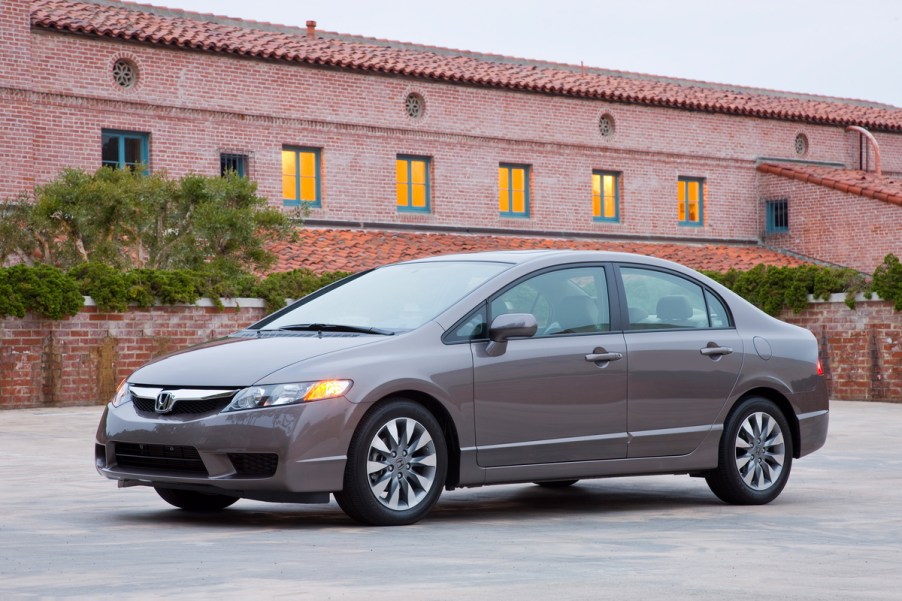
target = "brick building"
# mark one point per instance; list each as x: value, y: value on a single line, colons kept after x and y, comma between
x: 390, y: 136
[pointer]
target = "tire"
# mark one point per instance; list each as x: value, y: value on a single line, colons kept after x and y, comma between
x: 397, y: 463
x: 557, y: 483
x: 198, y: 502
x: 755, y: 454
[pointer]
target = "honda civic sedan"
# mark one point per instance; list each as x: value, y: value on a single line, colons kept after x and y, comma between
x: 393, y: 384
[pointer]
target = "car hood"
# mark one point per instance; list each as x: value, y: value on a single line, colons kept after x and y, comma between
x: 236, y: 362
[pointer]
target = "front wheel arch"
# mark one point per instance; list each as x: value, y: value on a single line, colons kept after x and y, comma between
x: 441, y: 414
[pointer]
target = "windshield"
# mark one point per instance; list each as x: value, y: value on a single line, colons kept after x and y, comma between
x: 391, y: 299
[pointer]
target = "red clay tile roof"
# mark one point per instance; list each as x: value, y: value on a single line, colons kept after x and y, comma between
x: 170, y: 27
x: 862, y: 183
x: 323, y: 250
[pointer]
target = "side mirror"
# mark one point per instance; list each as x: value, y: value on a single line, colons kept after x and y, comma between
x: 509, y: 325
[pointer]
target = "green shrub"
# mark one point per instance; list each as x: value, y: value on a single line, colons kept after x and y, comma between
x: 43, y: 289
x: 888, y: 281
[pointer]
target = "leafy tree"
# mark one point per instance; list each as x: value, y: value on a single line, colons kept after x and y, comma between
x: 129, y: 218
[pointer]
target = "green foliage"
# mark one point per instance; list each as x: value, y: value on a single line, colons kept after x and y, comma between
x: 773, y: 289
x: 42, y: 289
x: 133, y: 219
x: 888, y: 281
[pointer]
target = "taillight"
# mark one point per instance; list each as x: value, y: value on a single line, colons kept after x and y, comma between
x: 820, y: 368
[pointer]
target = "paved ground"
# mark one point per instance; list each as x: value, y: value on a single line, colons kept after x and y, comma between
x: 835, y: 533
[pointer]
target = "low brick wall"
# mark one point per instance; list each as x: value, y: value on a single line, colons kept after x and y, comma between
x: 861, y: 348
x: 79, y: 361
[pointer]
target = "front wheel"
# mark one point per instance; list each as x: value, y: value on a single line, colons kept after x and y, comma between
x: 557, y: 483
x: 755, y: 454
x: 396, y: 467
x: 195, y: 501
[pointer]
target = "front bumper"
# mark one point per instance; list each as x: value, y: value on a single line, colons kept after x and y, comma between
x: 276, y: 453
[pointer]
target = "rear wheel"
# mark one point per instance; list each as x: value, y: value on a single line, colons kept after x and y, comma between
x: 755, y: 454
x: 396, y: 468
x: 190, y: 500
x: 557, y: 483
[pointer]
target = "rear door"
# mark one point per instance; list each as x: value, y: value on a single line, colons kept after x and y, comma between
x: 685, y: 357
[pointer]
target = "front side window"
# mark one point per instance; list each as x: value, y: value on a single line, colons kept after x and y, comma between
x: 690, y: 200
x: 301, y: 177
x: 564, y: 301
x: 412, y: 184
x: 513, y: 190
x: 605, y: 196
x: 657, y: 300
x: 124, y: 149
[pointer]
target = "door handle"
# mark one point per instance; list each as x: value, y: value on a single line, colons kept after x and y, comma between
x: 716, y: 350
x: 597, y: 357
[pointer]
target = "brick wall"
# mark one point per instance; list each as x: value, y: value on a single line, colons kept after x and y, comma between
x: 834, y: 226
x: 861, y: 348
x: 79, y: 361
x: 195, y: 105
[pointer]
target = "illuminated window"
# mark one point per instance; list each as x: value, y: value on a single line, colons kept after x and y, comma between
x: 513, y: 190
x: 123, y: 149
x: 690, y: 200
x: 605, y: 196
x: 412, y: 185
x: 301, y: 176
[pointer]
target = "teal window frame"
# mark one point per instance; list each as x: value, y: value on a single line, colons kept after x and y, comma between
x: 701, y: 202
x: 318, y: 176
x: 773, y: 215
x: 409, y: 159
x: 121, y: 136
x: 527, y: 176
x: 232, y: 159
x: 616, y: 175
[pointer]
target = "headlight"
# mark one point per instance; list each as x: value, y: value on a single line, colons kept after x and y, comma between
x: 287, y: 394
x: 123, y: 394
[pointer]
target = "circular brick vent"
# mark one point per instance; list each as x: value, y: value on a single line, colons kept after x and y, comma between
x: 414, y: 106
x: 801, y: 145
x: 606, y: 126
x: 125, y: 73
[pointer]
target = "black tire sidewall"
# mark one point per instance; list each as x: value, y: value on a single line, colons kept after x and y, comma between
x: 726, y: 481
x: 357, y: 498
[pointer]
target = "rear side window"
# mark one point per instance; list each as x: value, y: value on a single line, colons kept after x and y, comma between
x: 657, y: 300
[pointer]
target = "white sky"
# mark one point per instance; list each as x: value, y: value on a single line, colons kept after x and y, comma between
x: 846, y: 48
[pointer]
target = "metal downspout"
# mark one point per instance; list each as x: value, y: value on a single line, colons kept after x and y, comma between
x: 873, y: 141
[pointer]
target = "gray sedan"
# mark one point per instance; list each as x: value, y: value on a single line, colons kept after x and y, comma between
x: 467, y: 370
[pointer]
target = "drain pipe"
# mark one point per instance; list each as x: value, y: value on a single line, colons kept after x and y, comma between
x: 873, y: 141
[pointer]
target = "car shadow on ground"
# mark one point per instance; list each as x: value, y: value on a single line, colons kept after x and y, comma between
x: 520, y: 503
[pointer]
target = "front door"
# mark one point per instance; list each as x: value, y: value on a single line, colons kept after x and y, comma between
x: 560, y: 395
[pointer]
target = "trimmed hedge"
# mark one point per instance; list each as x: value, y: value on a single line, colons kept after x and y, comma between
x: 56, y: 294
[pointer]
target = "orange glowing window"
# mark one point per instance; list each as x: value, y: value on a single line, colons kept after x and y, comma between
x: 690, y: 200
x: 301, y: 176
x: 412, y: 188
x: 605, y: 196
x: 513, y: 190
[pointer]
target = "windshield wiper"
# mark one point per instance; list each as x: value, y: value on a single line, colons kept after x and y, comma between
x: 335, y: 327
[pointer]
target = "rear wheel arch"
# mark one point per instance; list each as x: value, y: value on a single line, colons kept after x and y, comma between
x: 783, y: 404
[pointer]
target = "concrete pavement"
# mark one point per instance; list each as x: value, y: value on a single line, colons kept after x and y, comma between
x: 835, y: 532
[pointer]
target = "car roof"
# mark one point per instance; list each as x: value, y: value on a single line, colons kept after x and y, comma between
x: 519, y: 257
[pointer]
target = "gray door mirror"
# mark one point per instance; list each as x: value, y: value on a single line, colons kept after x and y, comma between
x: 506, y: 326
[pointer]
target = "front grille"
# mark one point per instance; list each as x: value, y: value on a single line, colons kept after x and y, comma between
x: 184, y: 460
x: 183, y: 407
x: 256, y: 465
